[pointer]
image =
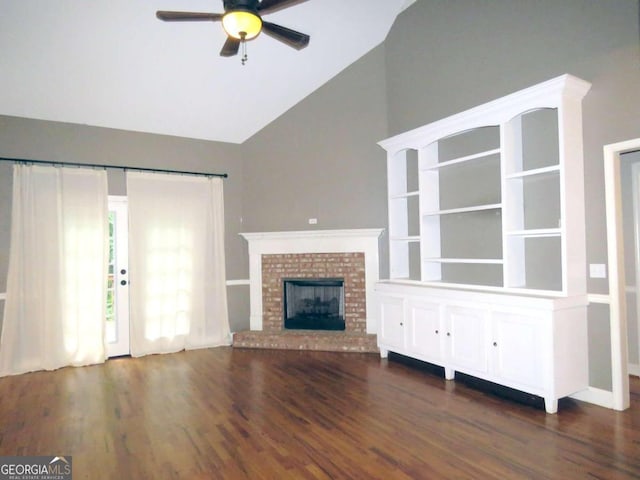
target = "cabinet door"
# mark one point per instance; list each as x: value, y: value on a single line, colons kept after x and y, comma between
x: 467, y: 338
x: 424, y: 339
x: 392, y: 331
x: 519, y: 349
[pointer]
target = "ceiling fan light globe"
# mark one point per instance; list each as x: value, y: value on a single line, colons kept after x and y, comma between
x: 239, y: 22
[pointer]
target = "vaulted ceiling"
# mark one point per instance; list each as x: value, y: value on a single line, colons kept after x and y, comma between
x: 112, y: 63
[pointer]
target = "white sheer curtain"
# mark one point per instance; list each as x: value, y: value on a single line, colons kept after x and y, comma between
x: 56, y: 289
x: 177, y: 289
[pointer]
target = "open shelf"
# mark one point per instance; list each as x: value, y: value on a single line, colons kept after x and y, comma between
x: 472, y: 274
x: 414, y: 238
x: 467, y: 144
x: 539, y: 232
x: 405, y: 195
x: 467, y: 158
x: 494, y: 261
x: 554, y: 169
x: 477, y: 208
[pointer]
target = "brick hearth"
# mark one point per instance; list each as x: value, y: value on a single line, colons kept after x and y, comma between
x: 276, y: 267
x: 329, y: 341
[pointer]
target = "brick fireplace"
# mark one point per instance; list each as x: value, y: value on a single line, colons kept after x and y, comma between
x: 351, y: 255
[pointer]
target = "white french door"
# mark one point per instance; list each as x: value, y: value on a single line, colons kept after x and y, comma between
x: 117, y: 321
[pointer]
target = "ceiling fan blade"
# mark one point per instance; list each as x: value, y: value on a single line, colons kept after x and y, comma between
x: 188, y: 16
x: 292, y: 38
x: 230, y: 47
x: 270, y: 6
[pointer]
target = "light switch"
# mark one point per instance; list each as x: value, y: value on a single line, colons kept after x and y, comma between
x: 597, y: 270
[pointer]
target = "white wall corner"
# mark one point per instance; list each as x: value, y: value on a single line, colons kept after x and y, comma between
x: 407, y: 4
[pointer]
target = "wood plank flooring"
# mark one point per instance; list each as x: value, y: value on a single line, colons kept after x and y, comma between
x: 272, y: 414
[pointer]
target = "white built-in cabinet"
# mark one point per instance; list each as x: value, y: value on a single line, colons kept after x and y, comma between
x: 533, y: 344
x: 490, y: 203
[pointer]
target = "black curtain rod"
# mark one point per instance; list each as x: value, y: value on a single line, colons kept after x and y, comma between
x: 93, y: 165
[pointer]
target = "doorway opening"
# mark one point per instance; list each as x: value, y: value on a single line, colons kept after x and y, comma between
x: 631, y: 221
x: 615, y: 258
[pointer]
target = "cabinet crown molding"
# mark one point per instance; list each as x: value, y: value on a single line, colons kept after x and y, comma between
x: 549, y: 94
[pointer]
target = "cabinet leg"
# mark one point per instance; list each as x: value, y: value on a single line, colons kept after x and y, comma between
x: 551, y: 404
x: 384, y: 353
x: 449, y: 373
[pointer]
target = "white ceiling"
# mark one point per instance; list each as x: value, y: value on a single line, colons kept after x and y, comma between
x: 111, y: 63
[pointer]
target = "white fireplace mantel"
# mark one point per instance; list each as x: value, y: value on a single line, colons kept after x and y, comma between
x: 312, y: 241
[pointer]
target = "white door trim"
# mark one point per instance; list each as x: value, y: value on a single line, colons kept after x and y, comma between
x: 615, y: 258
x: 635, y: 182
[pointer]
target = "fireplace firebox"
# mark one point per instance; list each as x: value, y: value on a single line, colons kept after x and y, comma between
x: 314, y: 304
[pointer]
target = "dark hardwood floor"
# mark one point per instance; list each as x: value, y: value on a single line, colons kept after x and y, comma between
x: 272, y: 414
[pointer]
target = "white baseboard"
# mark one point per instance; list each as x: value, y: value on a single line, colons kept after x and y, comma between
x: 634, y: 369
x: 597, y: 396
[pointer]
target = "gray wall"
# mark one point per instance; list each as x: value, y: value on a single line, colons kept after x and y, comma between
x: 320, y: 159
x: 60, y: 142
x: 5, y: 223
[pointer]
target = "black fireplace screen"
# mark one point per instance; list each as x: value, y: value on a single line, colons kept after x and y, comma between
x: 314, y: 304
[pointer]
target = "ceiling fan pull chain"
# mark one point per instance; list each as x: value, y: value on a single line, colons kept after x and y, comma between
x: 243, y: 42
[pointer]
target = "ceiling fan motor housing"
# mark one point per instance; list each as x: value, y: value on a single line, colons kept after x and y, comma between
x: 247, y: 5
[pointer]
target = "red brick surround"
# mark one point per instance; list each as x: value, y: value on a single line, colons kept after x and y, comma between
x: 276, y: 267
x: 350, y: 266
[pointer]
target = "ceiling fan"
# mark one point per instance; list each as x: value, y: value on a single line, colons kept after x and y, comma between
x: 242, y: 21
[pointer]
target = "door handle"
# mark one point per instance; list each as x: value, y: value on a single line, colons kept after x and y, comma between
x: 123, y: 282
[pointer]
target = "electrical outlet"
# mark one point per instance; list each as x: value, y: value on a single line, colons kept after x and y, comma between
x: 597, y: 270
x: 313, y: 221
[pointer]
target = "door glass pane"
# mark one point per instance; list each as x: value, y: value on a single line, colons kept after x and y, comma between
x: 111, y: 332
